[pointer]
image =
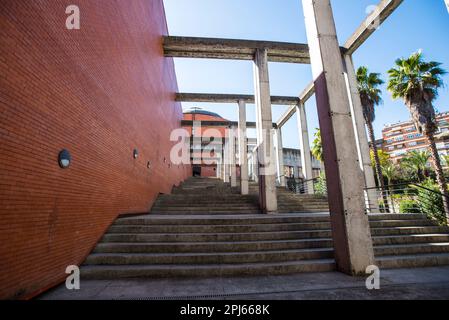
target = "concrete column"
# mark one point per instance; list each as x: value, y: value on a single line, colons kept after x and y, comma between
x: 226, y: 166
x: 264, y: 122
x: 362, y: 144
x: 232, y: 156
x: 304, y: 145
x: 280, y: 157
x: 350, y: 227
x: 243, y: 149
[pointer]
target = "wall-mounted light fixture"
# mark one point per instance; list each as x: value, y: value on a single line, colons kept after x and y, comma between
x: 135, y: 153
x: 149, y: 164
x: 64, y: 159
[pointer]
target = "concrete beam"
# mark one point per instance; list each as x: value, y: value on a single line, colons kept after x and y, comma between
x: 189, y: 123
x: 303, y: 97
x: 234, y: 49
x: 304, y: 145
x: 345, y: 182
x: 384, y: 9
x: 231, y: 98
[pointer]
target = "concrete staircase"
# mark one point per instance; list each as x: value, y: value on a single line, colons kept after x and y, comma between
x: 229, y: 245
x: 205, y: 196
x: 205, y: 229
x: 290, y: 202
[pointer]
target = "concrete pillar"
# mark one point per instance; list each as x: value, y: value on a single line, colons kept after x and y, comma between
x: 362, y: 144
x: 264, y: 122
x: 280, y: 157
x: 226, y: 166
x: 304, y: 145
x: 243, y: 149
x: 350, y: 227
x: 232, y: 156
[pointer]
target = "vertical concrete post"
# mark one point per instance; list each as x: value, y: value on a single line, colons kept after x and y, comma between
x: 280, y: 157
x: 363, y: 149
x: 226, y: 167
x: 232, y: 155
x: 345, y: 181
x: 243, y: 149
x: 264, y: 122
x: 304, y: 145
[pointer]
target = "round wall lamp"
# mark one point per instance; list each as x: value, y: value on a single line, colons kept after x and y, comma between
x: 135, y: 153
x: 64, y: 159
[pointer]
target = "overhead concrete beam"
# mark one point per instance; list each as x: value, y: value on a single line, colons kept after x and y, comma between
x: 384, y: 9
x: 231, y: 98
x: 303, y: 97
x: 251, y: 125
x: 215, y: 48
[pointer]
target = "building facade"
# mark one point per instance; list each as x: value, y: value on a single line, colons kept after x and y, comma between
x: 205, y: 140
x: 293, y: 165
x: 402, y: 138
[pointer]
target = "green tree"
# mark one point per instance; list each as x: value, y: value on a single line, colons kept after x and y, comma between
x: 416, y: 162
x: 317, y: 146
x: 384, y: 158
x: 417, y: 82
x: 390, y: 172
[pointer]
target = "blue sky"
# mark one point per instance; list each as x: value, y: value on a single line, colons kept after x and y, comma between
x: 417, y: 24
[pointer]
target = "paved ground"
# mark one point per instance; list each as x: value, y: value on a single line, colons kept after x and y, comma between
x: 424, y: 283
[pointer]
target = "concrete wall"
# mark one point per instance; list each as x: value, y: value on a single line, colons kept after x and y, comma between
x: 99, y: 92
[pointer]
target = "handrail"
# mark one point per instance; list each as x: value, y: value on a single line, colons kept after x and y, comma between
x: 409, y: 184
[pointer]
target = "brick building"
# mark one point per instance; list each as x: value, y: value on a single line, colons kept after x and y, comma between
x: 210, y: 134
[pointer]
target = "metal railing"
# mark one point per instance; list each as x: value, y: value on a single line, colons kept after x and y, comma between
x: 407, y: 198
x: 311, y: 186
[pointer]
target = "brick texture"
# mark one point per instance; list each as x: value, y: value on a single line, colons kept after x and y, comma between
x: 99, y: 92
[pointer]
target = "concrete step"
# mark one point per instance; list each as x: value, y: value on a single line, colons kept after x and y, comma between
x: 213, y: 270
x: 397, y: 216
x: 218, y: 228
x: 223, y: 207
x: 216, y: 237
x: 409, y: 239
x: 198, y: 247
x: 152, y: 219
x: 208, y: 258
x: 206, y: 212
x: 410, y: 249
x: 411, y: 230
x: 413, y: 261
x: 401, y: 223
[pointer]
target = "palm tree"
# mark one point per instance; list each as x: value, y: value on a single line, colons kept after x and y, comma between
x: 370, y: 96
x: 416, y: 161
x: 417, y: 82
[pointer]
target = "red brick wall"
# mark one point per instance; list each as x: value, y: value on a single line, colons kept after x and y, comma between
x: 99, y: 92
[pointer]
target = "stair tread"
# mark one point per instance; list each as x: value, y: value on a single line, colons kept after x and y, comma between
x: 188, y: 254
x: 208, y: 266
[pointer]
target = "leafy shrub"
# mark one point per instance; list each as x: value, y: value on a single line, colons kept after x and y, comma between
x: 430, y: 201
x: 321, y: 186
x: 408, y: 206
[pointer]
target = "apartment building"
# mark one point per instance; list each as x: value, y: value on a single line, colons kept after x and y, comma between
x: 401, y: 138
